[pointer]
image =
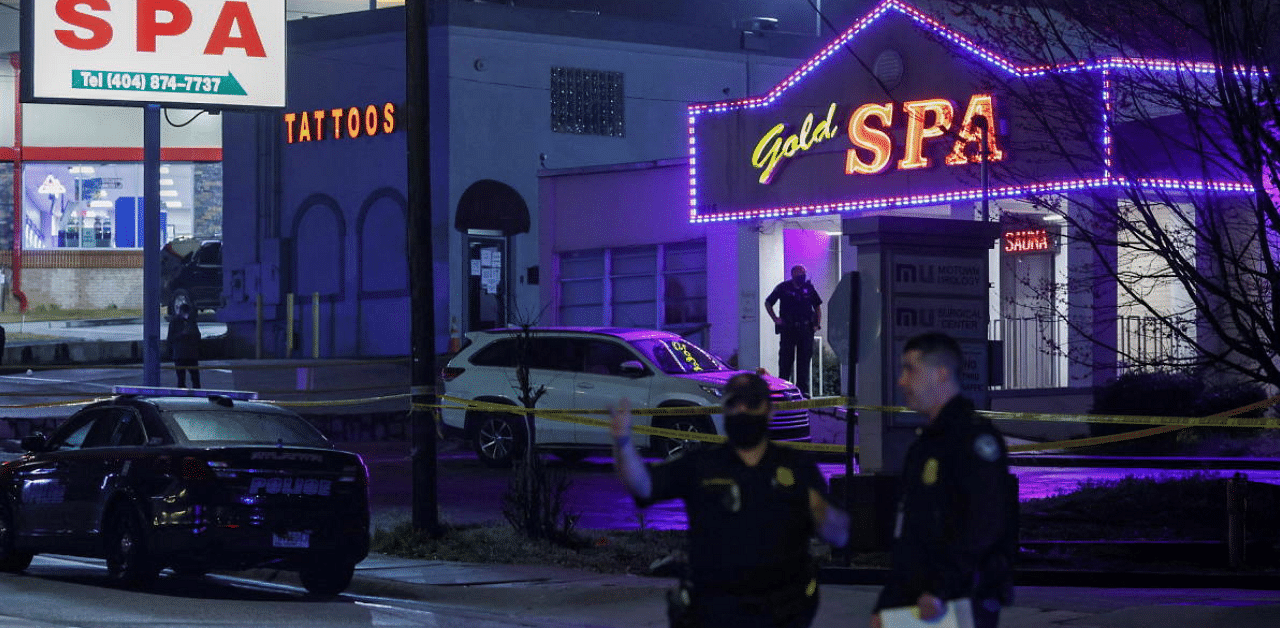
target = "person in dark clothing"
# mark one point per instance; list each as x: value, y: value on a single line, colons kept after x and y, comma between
x: 752, y: 507
x: 184, y: 345
x: 800, y: 315
x: 956, y: 532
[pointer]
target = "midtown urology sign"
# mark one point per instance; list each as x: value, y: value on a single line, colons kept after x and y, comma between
x: 207, y: 54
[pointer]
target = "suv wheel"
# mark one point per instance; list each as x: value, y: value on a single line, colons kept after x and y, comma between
x: 670, y: 447
x: 498, y: 439
x: 10, y: 559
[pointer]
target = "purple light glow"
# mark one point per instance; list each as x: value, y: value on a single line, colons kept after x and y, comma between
x: 1104, y: 66
x: 1033, y: 483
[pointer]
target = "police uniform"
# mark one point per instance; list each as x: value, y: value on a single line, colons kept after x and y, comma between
x: 797, y: 313
x: 956, y: 532
x: 749, y: 531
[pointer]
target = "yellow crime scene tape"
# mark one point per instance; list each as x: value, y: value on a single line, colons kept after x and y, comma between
x: 570, y: 416
x: 1160, y: 424
x: 1163, y: 424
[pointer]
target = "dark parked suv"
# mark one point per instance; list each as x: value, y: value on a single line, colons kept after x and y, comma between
x: 191, y: 274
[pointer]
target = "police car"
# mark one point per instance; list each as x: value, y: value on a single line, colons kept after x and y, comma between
x: 191, y: 481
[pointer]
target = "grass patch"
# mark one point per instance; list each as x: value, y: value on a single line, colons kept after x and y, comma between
x: 43, y: 313
x: 1186, y: 509
x: 26, y: 337
x: 604, y: 551
x: 1191, y: 508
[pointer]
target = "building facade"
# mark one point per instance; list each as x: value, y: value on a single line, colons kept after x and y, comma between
x: 590, y: 169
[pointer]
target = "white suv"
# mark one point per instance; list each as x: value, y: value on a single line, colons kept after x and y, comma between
x: 581, y: 368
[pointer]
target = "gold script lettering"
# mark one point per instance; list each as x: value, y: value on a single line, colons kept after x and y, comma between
x: 773, y: 148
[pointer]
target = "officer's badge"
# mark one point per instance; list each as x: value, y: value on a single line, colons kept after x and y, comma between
x: 987, y: 448
x: 727, y: 490
x: 785, y: 477
x: 930, y: 475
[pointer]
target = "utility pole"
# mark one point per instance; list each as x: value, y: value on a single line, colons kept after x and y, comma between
x: 426, y: 512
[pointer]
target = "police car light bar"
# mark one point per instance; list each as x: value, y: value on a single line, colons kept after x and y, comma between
x: 150, y: 391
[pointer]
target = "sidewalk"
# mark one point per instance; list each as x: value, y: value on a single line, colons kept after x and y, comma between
x: 521, y: 595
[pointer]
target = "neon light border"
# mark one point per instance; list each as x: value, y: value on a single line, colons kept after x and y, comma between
x: 1105, y: 66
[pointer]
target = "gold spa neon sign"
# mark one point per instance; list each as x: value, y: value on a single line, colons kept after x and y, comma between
x: 872, y: 145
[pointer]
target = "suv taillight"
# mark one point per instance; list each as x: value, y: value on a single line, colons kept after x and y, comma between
x: 448, y: 373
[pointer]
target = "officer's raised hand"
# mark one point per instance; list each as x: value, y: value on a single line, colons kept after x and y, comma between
x: 620, y: 426
x: 626, y: 460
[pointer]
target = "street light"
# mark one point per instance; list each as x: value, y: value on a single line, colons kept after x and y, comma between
x: 985, y: 148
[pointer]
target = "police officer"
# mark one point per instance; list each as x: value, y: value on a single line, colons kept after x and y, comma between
x: 799, y: 318
x: 956, y: 532
x: 752, y: 508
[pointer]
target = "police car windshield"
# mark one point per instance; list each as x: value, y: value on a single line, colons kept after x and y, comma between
x: 679, y: 357
x: 210, y: 426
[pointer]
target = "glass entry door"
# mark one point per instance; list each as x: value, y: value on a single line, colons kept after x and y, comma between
x: 486, y: 282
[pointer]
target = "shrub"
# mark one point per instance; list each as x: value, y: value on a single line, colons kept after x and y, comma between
x: 1168, y: 393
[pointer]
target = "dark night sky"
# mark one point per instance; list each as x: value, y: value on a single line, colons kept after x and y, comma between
x: 795, y: 16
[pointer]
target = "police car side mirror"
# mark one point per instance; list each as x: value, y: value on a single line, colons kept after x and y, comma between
x: 155, y: 441
x: 633, y: 368
x: 34, y: 443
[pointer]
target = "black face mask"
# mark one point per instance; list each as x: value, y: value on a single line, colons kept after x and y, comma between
x: 800, y: 279
x: 745, y: 430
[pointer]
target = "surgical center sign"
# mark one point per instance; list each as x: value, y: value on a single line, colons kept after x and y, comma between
x: 202, y: 53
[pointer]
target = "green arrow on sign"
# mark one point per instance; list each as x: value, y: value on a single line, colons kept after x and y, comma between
x: 157, y: 82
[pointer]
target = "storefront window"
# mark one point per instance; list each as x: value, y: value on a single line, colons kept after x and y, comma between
x: 655, y: 286
x: 635, y: 287
x: 582, y: 288
x: 685, y: 294
x: 99, y: 205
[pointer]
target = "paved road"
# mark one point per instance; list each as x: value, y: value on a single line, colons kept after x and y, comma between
x: 58, y: 591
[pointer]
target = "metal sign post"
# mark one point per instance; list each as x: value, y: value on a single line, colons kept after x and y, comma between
x: 151, y: 245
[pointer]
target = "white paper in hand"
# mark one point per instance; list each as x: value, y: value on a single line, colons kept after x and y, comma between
x: 959, y: 614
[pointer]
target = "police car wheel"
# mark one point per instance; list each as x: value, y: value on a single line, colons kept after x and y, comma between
x: 670, y: 447
x: 190, y: 570
x: 498, y: 440
x: 10, y: 559
x: 326, y: 576
x: 128, y: 561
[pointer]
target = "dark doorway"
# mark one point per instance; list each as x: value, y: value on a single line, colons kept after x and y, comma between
x: 489, y: 213
x: 486, y: 282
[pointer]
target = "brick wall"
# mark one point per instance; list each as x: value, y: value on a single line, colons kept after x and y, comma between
x: 79, y: 278
x: 97, y: 278
x: 6, y: 206
x: 208, y: 201
x: 83, y: 288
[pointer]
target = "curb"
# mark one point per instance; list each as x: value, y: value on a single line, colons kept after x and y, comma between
x: 1087, y: 579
